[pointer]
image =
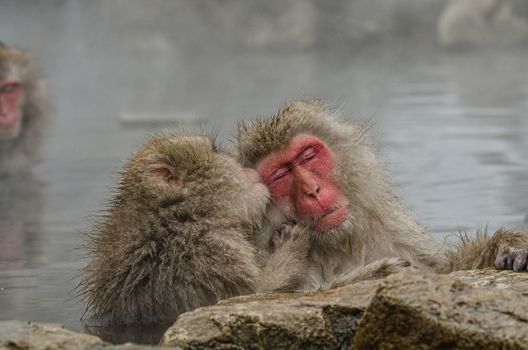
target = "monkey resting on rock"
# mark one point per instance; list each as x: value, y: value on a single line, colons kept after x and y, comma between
x: 23, y: 105
x: 324, y: 174
x: 177, y: 235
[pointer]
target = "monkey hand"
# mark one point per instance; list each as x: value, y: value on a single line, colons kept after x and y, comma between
x: 512, y: 251
x: 377, y: 269
x: 291, y: 236
x: 287, y: 265
x: 387, y: 266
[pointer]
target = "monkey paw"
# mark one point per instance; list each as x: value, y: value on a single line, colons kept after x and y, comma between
x: 288, y: 233
x: 375, y: 270
x: 388, y: 266
x: 512, y: 258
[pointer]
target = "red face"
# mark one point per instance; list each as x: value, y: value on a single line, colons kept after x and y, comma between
x: 11, y: 97
x: 301, y: 183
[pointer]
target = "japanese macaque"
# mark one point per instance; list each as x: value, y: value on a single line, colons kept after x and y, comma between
x: 324, y: 174
x: 177, y: 234
x: 23, y: 104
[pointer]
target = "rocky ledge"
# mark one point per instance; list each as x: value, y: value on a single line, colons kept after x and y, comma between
x: 20, y: 335
x: 482, y: 309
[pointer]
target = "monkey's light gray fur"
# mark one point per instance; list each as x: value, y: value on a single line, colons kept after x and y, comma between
x: 377, y: 226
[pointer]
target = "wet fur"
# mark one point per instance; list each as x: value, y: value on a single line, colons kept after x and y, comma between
x: 159, y: 250
x: 484, y: 250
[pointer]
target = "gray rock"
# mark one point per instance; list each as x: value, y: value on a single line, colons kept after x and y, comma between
x: 495, y: 279
x: 480, y: 309
x: 20, y: 335
x: 39, y: 336
x: 325, y: 320
x: 469, y: 310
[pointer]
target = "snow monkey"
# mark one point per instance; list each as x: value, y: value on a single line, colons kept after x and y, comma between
x: 23, y: 104
x: 178, y: 235
x: 324, y: 173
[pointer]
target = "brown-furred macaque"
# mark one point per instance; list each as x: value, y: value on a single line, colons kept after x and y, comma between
x: 324, y: 174
x: 179, y: 234
x: 23, y: 105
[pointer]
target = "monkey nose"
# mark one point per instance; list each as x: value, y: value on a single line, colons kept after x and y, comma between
x: 313, y: 191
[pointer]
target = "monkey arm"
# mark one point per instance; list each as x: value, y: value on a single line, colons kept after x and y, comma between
x: 504, y: 250
x: 376, y: 269
x: 285, y: 268
x: 284, y: 271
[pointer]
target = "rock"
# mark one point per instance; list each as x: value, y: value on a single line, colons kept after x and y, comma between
x: 482, y: 309
x: 469, y: 310
x: 37, y: 336
x: 324, y: 320
x: 495, y: 279
x: 20, y: 335
x: 483, y: 23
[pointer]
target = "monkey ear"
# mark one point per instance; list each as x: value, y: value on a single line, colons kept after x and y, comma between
x: 165, y: 174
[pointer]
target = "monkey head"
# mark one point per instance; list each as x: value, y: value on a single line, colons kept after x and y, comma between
x: 312, y: 164
x: 21, y: 92
x: 187, y: 178
x: 11, y: 99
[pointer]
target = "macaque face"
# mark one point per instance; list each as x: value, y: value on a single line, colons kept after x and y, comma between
x: 11, y: 100
x: 300, y: 178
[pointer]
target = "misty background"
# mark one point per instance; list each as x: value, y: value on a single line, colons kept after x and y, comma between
x: 444, y: 83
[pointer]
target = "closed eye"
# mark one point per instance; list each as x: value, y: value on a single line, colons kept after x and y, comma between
x: 8, y: 88
x: 279, y: 173
x: 307, y: 154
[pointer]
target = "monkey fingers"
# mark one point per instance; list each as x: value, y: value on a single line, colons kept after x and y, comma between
x: 512, y: 258
x: 377, y: 269
x: 286, y: 267
x: 288, y: 233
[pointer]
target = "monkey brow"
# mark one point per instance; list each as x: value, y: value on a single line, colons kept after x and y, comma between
x: 291, y: 165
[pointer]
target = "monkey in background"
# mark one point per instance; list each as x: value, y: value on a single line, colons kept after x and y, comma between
x: 324, y: 174
x: 23, y: 106
x: 178, y: 235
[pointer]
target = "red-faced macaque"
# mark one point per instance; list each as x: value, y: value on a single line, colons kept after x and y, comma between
x: 323, y: 173
x: 178, y: 235
x: 23, y: 104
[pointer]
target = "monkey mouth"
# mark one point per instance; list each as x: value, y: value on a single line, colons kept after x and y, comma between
x: 9, y: 124
x: 10, y: 131
x: 331, y: 219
